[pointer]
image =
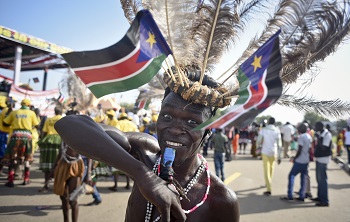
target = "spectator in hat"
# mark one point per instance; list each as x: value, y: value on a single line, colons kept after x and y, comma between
x: 50, y: 146
x: 20, y: 146
x: 4, y: 130
x: 100, y: 116
x: 125, y: 125
x: 145, y: 123
x: 111, y: 119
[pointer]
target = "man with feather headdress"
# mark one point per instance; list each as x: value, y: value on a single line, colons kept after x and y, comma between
x: 198, y: 33
x: 190, y: 192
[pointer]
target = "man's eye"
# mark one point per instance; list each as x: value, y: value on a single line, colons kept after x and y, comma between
x: 191, y: 121
x: 167, y: 116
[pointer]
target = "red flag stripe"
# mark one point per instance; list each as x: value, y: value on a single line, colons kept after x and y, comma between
x: 257, y: 96
x: 226, y: 118
x: 253, y: 101
x: 122, y: 76
x: 112, y: 72
x: 142, y: 104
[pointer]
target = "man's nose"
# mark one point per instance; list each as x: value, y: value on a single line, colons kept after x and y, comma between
x: 177, y: 128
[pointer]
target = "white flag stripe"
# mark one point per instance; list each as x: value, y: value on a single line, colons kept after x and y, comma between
x: 111, y: 63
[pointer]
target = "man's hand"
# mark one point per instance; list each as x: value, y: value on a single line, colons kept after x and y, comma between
x: 156, y: 191
x: 88, y: 179
x: 291, y: 159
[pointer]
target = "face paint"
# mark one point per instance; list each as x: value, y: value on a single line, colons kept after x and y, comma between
x: 166, y: 166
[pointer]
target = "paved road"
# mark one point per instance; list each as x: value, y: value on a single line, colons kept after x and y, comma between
x: 244, y: 175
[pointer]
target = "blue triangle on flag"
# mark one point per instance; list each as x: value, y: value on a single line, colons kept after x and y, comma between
x: 143, y: 57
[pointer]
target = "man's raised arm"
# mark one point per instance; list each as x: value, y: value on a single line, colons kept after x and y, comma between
x: 86, y: 137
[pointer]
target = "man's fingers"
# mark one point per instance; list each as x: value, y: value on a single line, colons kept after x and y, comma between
x: 175, y: 211
x: 178, y: 213
x: 165, y: 215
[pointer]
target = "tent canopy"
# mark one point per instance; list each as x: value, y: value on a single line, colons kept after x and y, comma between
x: 37, y: 54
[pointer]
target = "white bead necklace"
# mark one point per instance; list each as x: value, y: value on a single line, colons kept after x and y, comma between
x: 65, y: 156
x: 193, y: 181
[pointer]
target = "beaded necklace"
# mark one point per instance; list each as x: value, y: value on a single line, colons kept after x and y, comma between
x: 193, y: 181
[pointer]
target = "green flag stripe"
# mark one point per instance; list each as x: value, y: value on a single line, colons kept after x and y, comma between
x: 243, y: 91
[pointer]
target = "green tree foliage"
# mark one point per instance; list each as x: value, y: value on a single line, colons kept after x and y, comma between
x: 341, y: 124
x: 312, y: 118
x: 260, y: 119
x: 128, y: 106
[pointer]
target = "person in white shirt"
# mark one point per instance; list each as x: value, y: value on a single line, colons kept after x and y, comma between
x: 287, y: 132
x: 347, y: 141
x: 270, y: 140
x: 323, y: 152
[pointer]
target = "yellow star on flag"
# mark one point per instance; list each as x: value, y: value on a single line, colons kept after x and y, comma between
x: 151, y: 40
x: 256, y: 62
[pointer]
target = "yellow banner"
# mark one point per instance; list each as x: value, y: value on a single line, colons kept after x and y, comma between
x: 32, y: 41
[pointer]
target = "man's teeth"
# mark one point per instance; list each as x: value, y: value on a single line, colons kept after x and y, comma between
x: 169, y: 143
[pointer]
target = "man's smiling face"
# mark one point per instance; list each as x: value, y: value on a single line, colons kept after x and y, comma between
x: 176, y: 120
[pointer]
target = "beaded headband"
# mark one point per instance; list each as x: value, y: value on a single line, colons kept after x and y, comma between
x: 187, y: 85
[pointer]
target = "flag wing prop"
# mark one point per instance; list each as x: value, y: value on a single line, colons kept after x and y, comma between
x: 126, y: 65
x: 260, y: 87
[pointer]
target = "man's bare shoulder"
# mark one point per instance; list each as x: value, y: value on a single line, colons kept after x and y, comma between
x: 221, y: 192
x: 223, y: 201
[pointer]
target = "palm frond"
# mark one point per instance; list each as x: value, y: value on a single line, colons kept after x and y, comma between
x: 331, y: 108
x: 130, y: 8
x: 311, y: 31
x: 200, y: 32
x: 175, y: 20
x: 75, y: 88
x: 324, y: 28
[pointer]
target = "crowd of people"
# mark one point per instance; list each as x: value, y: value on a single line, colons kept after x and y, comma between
x: 300, y: 144
x: 23, y: 131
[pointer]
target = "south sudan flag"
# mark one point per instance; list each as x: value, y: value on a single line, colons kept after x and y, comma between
x: 260, y: 87
x: 128, y: 64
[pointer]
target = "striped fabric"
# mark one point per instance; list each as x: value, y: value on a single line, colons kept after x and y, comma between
x: 49, y: 149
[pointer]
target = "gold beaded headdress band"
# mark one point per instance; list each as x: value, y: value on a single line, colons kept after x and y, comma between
x: 212, y: 95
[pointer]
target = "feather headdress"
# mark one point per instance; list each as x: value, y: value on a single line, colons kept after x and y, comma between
x: 201, y: 32
x: 204, y: 32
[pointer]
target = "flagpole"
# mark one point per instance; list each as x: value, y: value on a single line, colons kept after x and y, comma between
x: 234, y: 72
x: 170, y: 70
